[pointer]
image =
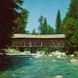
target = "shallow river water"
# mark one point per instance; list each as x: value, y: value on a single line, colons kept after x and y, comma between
x: 42, y: 67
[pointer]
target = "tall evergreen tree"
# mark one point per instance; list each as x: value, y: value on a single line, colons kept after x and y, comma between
x: 34, y: 32
x: 50, y: 30
x: 68, y: 29
x: 58, y: 22
x: 22, y: 22
x: 41, y: 19
x: 8, y: 13
x: 73, y: 9
x: 70, y: 26
x: 45, y: 27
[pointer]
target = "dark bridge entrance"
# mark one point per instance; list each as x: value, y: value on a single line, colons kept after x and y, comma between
x: 38, y: 41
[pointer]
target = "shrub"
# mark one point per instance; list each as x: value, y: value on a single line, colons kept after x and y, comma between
x: 76, y: 53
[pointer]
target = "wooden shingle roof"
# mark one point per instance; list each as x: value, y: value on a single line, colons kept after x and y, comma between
x: 38, y: 36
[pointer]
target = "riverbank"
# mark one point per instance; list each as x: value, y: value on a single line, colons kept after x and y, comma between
x: 27, y: 53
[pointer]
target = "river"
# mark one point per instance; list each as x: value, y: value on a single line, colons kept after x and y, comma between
x: 42, y: 67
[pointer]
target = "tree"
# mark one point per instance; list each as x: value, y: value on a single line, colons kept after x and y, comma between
x: 41, y: 19
x: 45, y: 27
x: 50, y: 30
x: 34, y: 32
x: 8, y: 13
x: 63, y: 22
x: 75, y: 37
x: 69, y: 32
x: 58, y: 22
x: 73, y: 9
x: 22, y: 22
x: 70, y: 27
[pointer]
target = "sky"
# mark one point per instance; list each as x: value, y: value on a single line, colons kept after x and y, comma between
x: 46, y: 8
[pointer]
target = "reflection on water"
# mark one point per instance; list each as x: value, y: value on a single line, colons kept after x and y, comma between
x: 43, y: 67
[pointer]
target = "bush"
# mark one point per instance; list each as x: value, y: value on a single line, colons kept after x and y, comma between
x: 76, y: 53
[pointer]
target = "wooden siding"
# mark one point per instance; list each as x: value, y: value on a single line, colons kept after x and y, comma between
x: 38, y: 42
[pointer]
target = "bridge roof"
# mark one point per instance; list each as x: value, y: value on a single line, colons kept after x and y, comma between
x: 38, y: 36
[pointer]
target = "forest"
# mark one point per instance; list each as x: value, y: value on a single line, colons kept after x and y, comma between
x: 14, y: 20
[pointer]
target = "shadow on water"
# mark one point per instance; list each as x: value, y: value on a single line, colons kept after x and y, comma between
x: 14, y: 62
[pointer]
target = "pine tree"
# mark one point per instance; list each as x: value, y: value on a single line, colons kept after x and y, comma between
x: 58, y: 22
x: 50, y: 30
x: 22, y: 22
x: 45, y: 27
x: 73, y: 9
x: 34, y: 32
x: 70, y: 27
x: 8, y: 13
x: 41, y: 19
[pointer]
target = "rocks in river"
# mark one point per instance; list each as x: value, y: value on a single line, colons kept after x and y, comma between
x: 59, y: 76
x: 22, y: 72
x: 72, y: 55
x: 39, y: 55
x: 13, y: 74
x: 74, y: 61
x: 53, y: 60
x: 58, y: 54
x: 50, y: 55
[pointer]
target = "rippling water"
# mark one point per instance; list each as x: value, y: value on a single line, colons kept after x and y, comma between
x: 43, y: 67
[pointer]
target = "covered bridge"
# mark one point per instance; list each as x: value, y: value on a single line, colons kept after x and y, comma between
x: 37, y: 41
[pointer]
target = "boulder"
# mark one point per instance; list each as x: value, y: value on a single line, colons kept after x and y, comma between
x: 59, y: 76
x: 74, y: 61
x: 58, y: 54
x: 72, y: 55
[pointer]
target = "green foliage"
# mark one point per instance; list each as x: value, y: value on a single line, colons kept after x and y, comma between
x: 8, y: 13
x: 58, y: 23
x: 41, y: 24
x: 70, y: 27
x: 76, y: 53
x: 73, y: 10
x: 63, y: 22
x: 46, y: 50
x: 44, y: 28
x: 50, y: 30
x: 22, y: 22
x: 75, y: 36
x: 34, y: 32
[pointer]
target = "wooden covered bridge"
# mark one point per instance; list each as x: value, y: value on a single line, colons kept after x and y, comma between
x: 37, y: 41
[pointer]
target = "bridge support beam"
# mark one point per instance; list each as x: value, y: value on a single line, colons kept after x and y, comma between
x: 21, y: 49
x: 33, y: 50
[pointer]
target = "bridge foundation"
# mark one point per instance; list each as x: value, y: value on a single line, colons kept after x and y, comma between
x: 33, y: 50
x: 21, y: 49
